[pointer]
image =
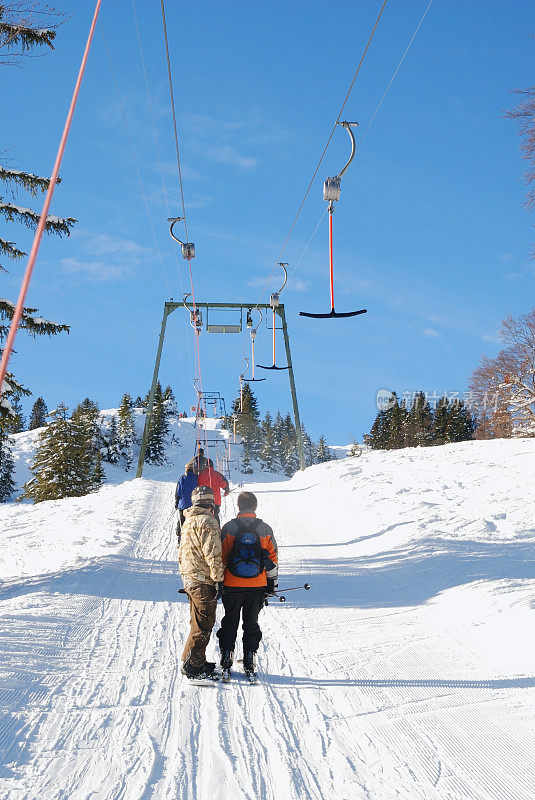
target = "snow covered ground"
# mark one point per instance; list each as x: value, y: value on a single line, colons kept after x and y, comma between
x: 407, y: 671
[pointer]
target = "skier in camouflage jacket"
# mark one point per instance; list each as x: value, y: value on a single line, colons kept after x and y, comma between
x: 201, y: 568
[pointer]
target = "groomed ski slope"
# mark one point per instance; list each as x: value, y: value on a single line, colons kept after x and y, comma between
x: 407, y: 671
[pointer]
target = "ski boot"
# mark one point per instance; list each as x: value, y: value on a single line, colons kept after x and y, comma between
x: 249, y: 665
x: 206, y: 672
x: 226, y: 663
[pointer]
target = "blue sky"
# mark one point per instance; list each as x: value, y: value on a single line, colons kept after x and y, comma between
x: 430, y: 232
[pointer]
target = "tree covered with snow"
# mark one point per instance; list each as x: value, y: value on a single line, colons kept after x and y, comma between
x: 126, y: 431
x: 158, y: 430
x: 21, y: 29
x: 25, y: 26
x: 38, y: 415
x: 7, y: 467
x: 110, y: 448
x: 322, y: 450
x: 67, y: 462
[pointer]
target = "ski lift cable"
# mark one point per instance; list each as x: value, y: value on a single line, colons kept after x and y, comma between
x: 189, y: 254
x: 160, y: 169
x: 17, y: 314
x: 134, y: 158
x: 372, y: 119
x: 327, y: 144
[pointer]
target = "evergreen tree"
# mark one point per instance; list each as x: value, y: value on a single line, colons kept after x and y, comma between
x: 247, y: 426
x: 7, y: 467
x: 20, y: 31
x: 67, y: 463
x: 461, y: 424
x: 38, y: 415
x: 378, y: 437
x: 323, y: 452
x: 355, y: 450
x: 88, y: 438
x: 397, y: 424
x: 16, y: 422
x: 288, y: 447
x: 440, y: 421
x: 268, y: 452
x: 126, y: 431
x: 111, y: 451
x: 311, y: 455
x: 169, y: 399
x: 158, y: 431
x: 420, y: 423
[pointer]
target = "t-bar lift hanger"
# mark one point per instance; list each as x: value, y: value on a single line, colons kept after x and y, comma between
x: 253, y: 332
x: 274, y: 302
x: 331, y: 192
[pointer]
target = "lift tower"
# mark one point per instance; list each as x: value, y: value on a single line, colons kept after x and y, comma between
x: 171, y: 306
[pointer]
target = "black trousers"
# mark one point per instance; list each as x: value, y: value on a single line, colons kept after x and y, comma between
x: 248, y: 603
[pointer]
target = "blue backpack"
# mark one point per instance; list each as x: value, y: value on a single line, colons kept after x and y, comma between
x: 245, y: 558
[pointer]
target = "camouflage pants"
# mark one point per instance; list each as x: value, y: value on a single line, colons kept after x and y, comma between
x: 202, y: 607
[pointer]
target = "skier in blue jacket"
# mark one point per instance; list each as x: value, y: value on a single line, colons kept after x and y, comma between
x: 186, y: 484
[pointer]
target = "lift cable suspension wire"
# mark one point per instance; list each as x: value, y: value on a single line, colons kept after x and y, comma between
x: 160, y: 169
x: 17, y: 314
x: 134, y: 159
x: 175, y: 129
x: 359, y: 143
x: 327, y: 144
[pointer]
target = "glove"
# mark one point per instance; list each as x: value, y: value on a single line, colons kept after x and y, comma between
x: 220, y: 590
x: 271, y: 585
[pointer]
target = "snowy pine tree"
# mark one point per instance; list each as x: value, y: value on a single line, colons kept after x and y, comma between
x: 158, y: 431
x: 110, y: 449
x: 268, y: 453
x: 420, y: 422
x: 171, y: 408
x: 355, y: 450
x: 311, y: 454
x: 378, y: 437
x: 7, y: 485
x: 440, y: 421
x: 21, y: 30
x: 16, y: 423
x: 67, y: 463
x: 38, y: 415
x: 126, y: 431
x: 323, y: 452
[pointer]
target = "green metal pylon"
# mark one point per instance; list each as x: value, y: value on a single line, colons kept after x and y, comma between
x: 171, y: 306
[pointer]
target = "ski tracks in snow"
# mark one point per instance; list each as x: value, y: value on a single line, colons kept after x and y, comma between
x: 357, y: 698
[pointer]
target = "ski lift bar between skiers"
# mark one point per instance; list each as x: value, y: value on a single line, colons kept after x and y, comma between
x: 274, y: 302
x: 331, y: 193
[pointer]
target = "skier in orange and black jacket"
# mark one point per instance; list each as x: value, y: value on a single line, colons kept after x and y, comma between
x: 245, y: 595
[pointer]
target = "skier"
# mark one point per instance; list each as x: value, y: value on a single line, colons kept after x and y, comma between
x: 216, y: 481
x: 250, y: 558
x: 199, y: 461
x: 201, y: 568
x: 186, y: 484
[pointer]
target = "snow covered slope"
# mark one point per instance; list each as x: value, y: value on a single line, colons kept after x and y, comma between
x: 407, y: 671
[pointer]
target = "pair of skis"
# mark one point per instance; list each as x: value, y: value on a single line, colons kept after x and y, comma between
x: 251, y: 677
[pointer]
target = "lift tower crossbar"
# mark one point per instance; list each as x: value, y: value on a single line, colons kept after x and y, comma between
x: 171, y: 306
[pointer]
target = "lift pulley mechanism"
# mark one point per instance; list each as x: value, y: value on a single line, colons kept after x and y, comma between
x: 195, y: 316
x: 274, y: 302
x: 331, y: 193
x: 188, y: 248
x: 253, y: 332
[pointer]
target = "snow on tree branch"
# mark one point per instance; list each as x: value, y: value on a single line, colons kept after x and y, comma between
x: 27, y: 180
x: 58, y: 225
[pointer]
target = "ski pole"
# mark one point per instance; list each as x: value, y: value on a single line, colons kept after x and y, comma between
x: 282, y: 598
